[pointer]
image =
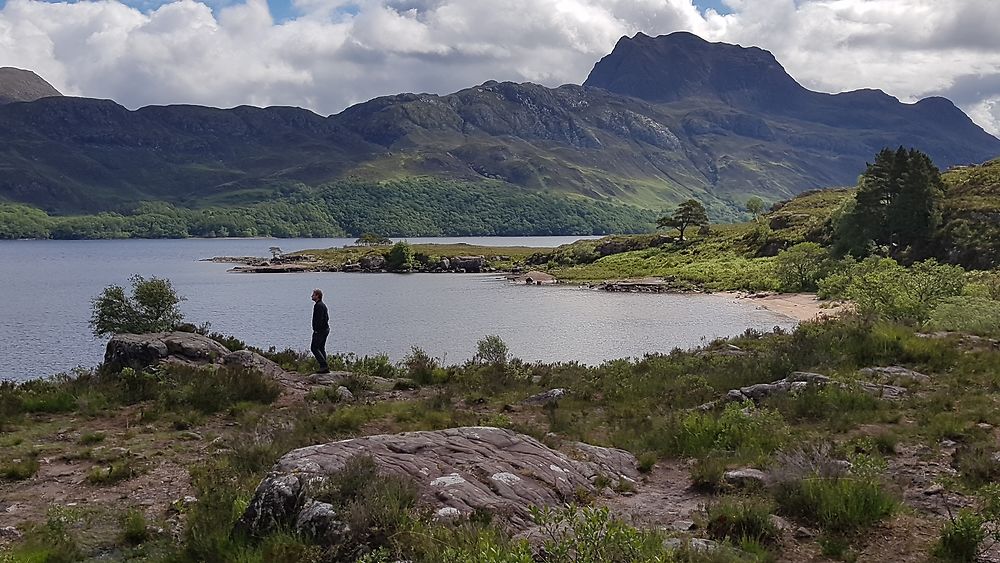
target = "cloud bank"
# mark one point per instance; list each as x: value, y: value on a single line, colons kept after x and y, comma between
x: 336, y: 52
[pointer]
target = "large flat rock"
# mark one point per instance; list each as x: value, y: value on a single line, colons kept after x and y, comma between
x: 458, y: 471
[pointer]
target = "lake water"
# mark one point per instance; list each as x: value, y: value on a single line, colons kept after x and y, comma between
x: 46, y: 288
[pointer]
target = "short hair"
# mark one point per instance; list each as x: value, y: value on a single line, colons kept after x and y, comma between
x: 318, y: 292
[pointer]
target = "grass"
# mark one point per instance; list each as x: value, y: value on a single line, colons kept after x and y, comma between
x: 742, y: 519
x: 114, y: 472
x: 19, y: 469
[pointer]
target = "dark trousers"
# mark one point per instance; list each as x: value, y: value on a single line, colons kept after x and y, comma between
x: 319, y: 349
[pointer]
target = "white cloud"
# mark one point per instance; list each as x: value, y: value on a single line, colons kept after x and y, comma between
x: 338, y: 52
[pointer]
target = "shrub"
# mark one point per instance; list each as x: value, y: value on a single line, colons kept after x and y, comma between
x: 88, y: 438
x: 592, y: 535
x: 135, y: 529
x: 742, y: 519
x: 800, y: 267
x: 741, y: 428
x: 961, y: 537
x: 978, y: 464
x: 114, y: 472
x: 19, y: 469
x: 975, y: 315
x: 400, y: 257
x: 838, y: 503
x: 419, y: 366
x: 492, y: 351
x: 152, y: 307
x: 708, y: 471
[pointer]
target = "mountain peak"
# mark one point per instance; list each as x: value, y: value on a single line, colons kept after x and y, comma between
x: 17, y: 85
x: 682, y: 65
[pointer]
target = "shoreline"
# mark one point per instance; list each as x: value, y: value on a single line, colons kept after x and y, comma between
x: 799, y: 306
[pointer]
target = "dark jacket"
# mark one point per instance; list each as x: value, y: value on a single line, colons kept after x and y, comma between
x: 321, y: 317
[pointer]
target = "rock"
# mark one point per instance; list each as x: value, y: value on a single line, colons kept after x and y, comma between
x: 10, y: 534
x: 465, y: 469
x: 332, y: 379
x: 372, y: 262
x: 935, y: 489
x: 984, y: 426
x: 253, y: 361
x: 142, y: 350
x: 471, y: 264
x: 190, y: 435
x: 745, y: 478
x: 682, y: 525
x: 804, y: 533
x: 948, y: 443
x: 318, y: 521
x: 799, y: 381
x: 344, y: 395
x: 381, y: 383
x: 546, y: 398
x: 698, y: 545
x: 780, y: 523
x: 894, y: 374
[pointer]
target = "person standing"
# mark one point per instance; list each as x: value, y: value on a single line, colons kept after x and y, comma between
x: 321, y: 329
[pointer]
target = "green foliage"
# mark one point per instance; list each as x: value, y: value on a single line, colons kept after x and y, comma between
x: 973, y: 315
x: 800, y: 267
x: 51, y: 542
x: 19, y: 468
x: 840, y: 504
x: 492, y: 351
x: 152, y: 307
x: 420, y: 367
x: 689, y: 213
x: 400, y: 257
x: 897, y: 204
x: 592, y: 535
x: 740, y: 428
x: 135, y: 529
x: 114, y: 472
x: 742, y: 519
x: 371, y: 239
x: 978, y: 464
x: 882, y: 287
x: 755, y: 206
x: 961, y: 537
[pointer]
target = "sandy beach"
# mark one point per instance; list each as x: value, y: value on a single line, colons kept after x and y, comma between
x: 799, y: 306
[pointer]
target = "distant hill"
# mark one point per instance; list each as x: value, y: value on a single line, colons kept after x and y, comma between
x: 18, y: 85
x: 659, y: 120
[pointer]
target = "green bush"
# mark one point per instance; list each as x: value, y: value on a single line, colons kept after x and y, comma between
x: 800, y: 267
x: 974, y: 315
x: 152, y: 307
x: 115, y: 472
x: 400, y: 257
x: 961, y: 537
x: 840, y: 504
x: 420, y: 367
x: 742, y: 519
x: 19, y: 469
x: 740, y: 428
x: 978, y: 464
x: 592, y: 535
x: 135, y: 529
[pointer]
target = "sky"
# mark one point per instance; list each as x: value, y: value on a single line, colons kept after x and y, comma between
x: 327, y: 54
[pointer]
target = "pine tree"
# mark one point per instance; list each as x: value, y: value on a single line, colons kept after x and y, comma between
x: 690, y: 213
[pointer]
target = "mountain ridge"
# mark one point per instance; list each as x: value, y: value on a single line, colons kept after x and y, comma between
x: 722, y: 125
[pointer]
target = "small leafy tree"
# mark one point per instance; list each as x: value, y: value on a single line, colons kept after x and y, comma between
x: 800, y: 267
x: 755, y: 206
x: 371, y: 239
x: 275, y: 252
x: 492, y: 351
x: 152, y: 307
x: 690, y: 213
x: 400, y: 257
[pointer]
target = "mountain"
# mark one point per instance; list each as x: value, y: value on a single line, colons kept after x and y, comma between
x: 657, y: 121
x: 18, y: 85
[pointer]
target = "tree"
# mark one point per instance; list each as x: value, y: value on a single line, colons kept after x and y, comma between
x: 896, y: 206
x: 371, y: 239
x: 400, y: 257
x: 689, y: 213
x: 755, y: 206
x: 275, y: 252
x: 152, y: 307
x: 800, y: 267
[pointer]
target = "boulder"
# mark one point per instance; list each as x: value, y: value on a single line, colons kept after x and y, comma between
x: 895, y: 374
x: 373, y: 262
x: 800, y: 380
x: 472, y: 264
x: 457, y: 471
x: 745, y: 478
x: 142, y: 350
x: 253, y: 361
x: 548, y: 397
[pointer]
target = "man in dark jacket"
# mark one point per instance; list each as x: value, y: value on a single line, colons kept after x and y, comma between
x: 321, y: 329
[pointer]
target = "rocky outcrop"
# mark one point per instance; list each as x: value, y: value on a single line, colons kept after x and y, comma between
x: 143, y: 350
x: 547, y: 398
x: 471, y: 264
x: 457, y: 471
x: 140, y: 351
x: 894, y: 374
x: 798, y: 381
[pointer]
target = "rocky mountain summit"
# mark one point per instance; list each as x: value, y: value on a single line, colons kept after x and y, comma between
x: 659, y: 120
x: 18, y: 85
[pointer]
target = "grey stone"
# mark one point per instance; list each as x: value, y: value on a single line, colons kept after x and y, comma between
x: 682, y: 525
x: 745, y: 478
x: 142, y: 350
x: 697, y: 545
x: 319, y: 522
x: 894, y: 373
x: 372, y: 262
x: 467, y: 469
x: 381, y: 383
x: 546, y: 398
x: 332, y: 379
x: 344, y: 395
